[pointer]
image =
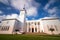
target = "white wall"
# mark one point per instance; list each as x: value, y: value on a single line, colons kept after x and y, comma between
x: 46, y: 24
x: 32, y: 25
x: 10, y: 24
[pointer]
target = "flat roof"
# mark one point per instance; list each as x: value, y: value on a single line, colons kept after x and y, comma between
x: 51, y: 19
x: 10, y: 19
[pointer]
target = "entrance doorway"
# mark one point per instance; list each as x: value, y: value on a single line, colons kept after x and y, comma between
x: 32, y: 30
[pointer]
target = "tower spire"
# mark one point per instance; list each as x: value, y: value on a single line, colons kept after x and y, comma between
x: 24, y: 9
x: 23, y: 14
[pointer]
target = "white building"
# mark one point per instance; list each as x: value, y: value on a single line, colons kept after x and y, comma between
x: 44, y: 25
x: 10, y: 25
x: 50, y: 23
x: 33, y: 26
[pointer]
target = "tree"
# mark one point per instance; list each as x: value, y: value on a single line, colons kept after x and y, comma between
x: 16, y: 30
x: 51, y: 29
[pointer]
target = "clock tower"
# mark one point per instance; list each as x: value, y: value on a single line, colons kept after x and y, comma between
x: 22, y: 18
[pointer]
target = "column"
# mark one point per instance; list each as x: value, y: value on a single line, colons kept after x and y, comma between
x: 27, y: 27
x: 30, y: 27
x: 34, y: 27
x: 37, y: 26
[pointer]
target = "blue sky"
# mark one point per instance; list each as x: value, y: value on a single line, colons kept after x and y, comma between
x: 36, y: 9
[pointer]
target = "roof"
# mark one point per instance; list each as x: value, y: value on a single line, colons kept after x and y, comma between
x: 50, y: 18
x: 10, y: 19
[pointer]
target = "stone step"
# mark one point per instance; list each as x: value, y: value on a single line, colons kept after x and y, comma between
x: 36, y: 33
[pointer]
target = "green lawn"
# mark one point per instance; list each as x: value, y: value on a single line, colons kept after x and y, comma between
x: 29, y: 37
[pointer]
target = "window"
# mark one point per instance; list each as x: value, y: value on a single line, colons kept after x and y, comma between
x: 5, y: 28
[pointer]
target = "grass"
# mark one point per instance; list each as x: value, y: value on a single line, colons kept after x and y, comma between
x: 29, y: 37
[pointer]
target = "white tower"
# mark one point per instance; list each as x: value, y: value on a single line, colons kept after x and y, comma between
x: 22, y: 18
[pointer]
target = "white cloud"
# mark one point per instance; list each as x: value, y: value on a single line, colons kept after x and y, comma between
x: 30, y: 5
x: 12, y: 16
x: 32, y: 11
x: 2, y: 17
x: 33, y: 18
x: 53, y: 10
x: 54, y: 15
x: 49, y: 17
x: 1, y: 12
x: 5, y: 2
x: 48, y: 4
x: 19, y: 4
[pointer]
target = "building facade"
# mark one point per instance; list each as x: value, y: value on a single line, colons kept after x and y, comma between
x: 19, y: 24
x: 51, y: 25
x: 45, y: 25
x: 9, y: 26
x: 33, y: 26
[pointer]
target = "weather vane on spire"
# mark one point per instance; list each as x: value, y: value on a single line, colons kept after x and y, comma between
x: 24, y: 7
